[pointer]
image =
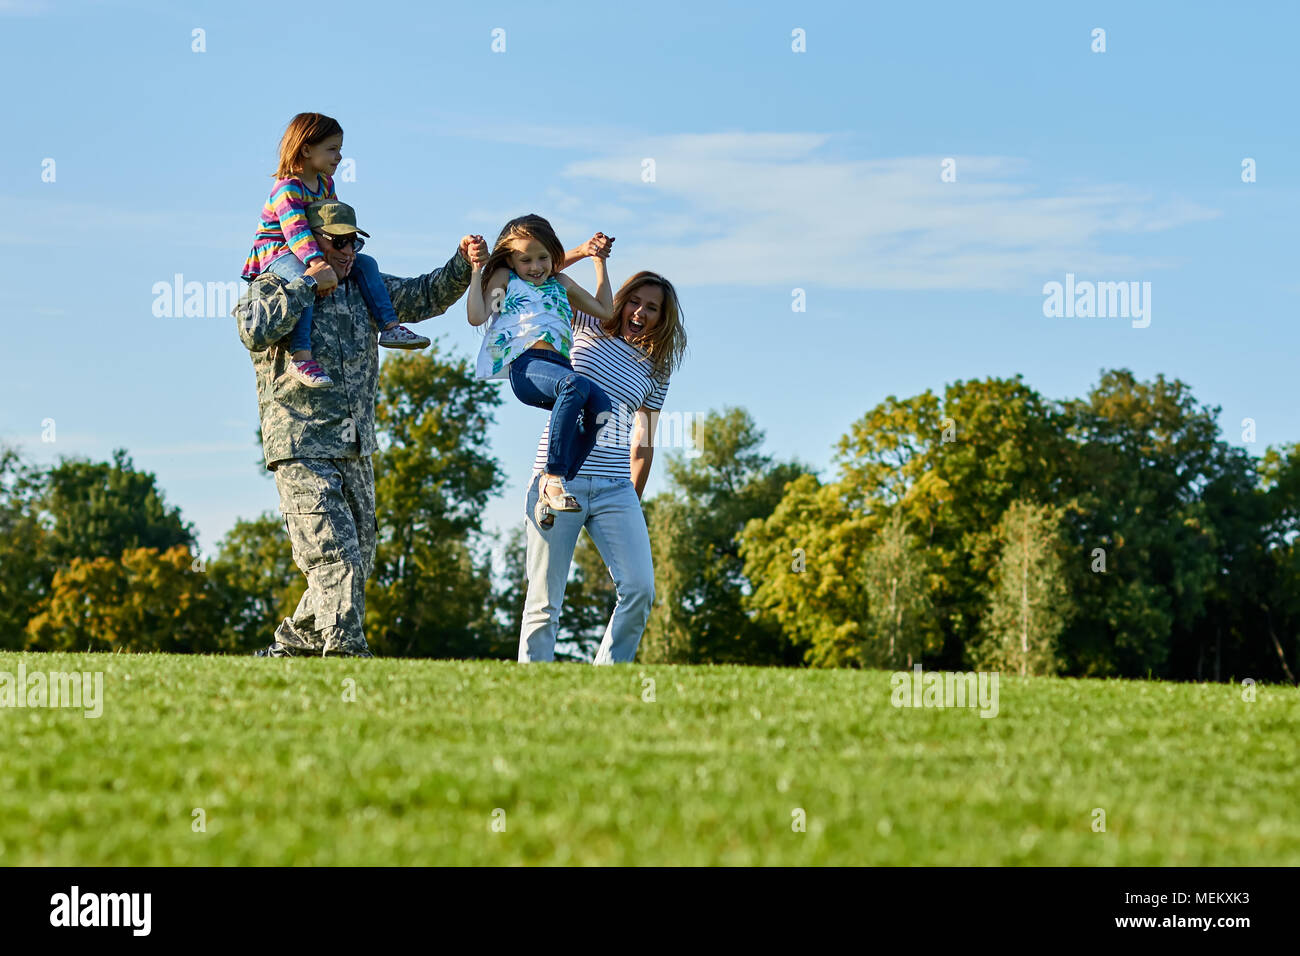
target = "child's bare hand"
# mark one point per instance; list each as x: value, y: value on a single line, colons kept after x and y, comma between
x: 327, y: 279
x: 598, y: 245
x: 477, y: 252
x: 473, y: 250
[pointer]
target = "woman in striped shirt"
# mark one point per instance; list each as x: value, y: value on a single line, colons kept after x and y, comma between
x: 631, y: 356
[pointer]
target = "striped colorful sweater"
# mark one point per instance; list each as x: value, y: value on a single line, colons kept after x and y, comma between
x: 284, y: 224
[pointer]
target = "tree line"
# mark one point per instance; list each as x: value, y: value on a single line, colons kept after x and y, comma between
x: 987, y: 528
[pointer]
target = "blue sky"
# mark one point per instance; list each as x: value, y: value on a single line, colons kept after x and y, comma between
x: 774, y: 171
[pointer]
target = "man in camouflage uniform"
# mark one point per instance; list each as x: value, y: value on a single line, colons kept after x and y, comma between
x: 318, y: 441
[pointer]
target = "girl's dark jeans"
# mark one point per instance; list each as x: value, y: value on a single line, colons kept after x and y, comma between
x: 578, y: 406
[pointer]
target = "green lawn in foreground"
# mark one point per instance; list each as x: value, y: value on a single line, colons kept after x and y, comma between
x: 587, y: 772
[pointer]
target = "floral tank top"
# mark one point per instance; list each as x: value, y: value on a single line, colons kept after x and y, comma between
x: 529, y: 314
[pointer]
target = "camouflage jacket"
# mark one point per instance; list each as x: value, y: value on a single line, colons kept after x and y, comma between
x: 335, y: 422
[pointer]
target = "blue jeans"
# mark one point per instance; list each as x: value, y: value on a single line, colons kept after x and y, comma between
x: 373, y: 291
x: 612, y: 515
x: 579, y: 406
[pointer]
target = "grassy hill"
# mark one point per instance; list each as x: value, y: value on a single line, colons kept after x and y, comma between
x: 580, y: 769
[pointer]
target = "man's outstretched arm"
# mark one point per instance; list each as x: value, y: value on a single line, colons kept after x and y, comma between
x: 431, y: 294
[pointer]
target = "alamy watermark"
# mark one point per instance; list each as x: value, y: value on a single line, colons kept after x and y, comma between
x: 672, y: 430
x: 82, y: 690
x: 945, y: 689
x: 130, y: 910
x: 1098, y: 300
x: 195, y: 300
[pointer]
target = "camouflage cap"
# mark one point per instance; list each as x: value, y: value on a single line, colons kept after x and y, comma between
x: 333, y: 218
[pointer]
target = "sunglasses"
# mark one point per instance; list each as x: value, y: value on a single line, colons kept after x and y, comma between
x: 342, y: 242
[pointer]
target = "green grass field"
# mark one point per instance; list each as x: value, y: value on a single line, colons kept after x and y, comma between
x: 587, y: 772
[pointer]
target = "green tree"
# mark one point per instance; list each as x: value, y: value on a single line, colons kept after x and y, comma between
x: 896, y: 577
x: 508, y: 596
x: 949, y: 468
x: 77, y: 522
x: 1276, y: 565
x: 953, y: 467
x: 431, y: 591
x: 696, y: 531
x: 799, y: 560
x: 100, y: 509
x: 26, y: 568
x: 1029, y: 603
x: 1141, y: 459
x: 145, y: 601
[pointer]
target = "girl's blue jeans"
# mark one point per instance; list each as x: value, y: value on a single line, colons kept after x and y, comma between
x: 373, y: 290
x: 578, y: 406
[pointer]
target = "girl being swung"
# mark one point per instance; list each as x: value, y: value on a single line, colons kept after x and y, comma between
x: 529, y: 305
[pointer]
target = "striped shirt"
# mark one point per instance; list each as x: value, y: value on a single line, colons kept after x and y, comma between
x: 625, y: 373
x: 283, y: 227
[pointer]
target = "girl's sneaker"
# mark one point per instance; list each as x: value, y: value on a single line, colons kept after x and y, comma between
x: 400, y: 337
x: 309, y: 373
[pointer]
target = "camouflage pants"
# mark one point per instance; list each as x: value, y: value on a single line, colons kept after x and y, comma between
x: 329, y: 511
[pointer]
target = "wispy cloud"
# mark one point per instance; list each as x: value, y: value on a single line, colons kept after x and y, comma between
x: 784, y: 209
x: 774, y: 209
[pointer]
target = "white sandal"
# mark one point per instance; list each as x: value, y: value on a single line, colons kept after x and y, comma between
x: 544, y: 516
x: 563, y: 501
